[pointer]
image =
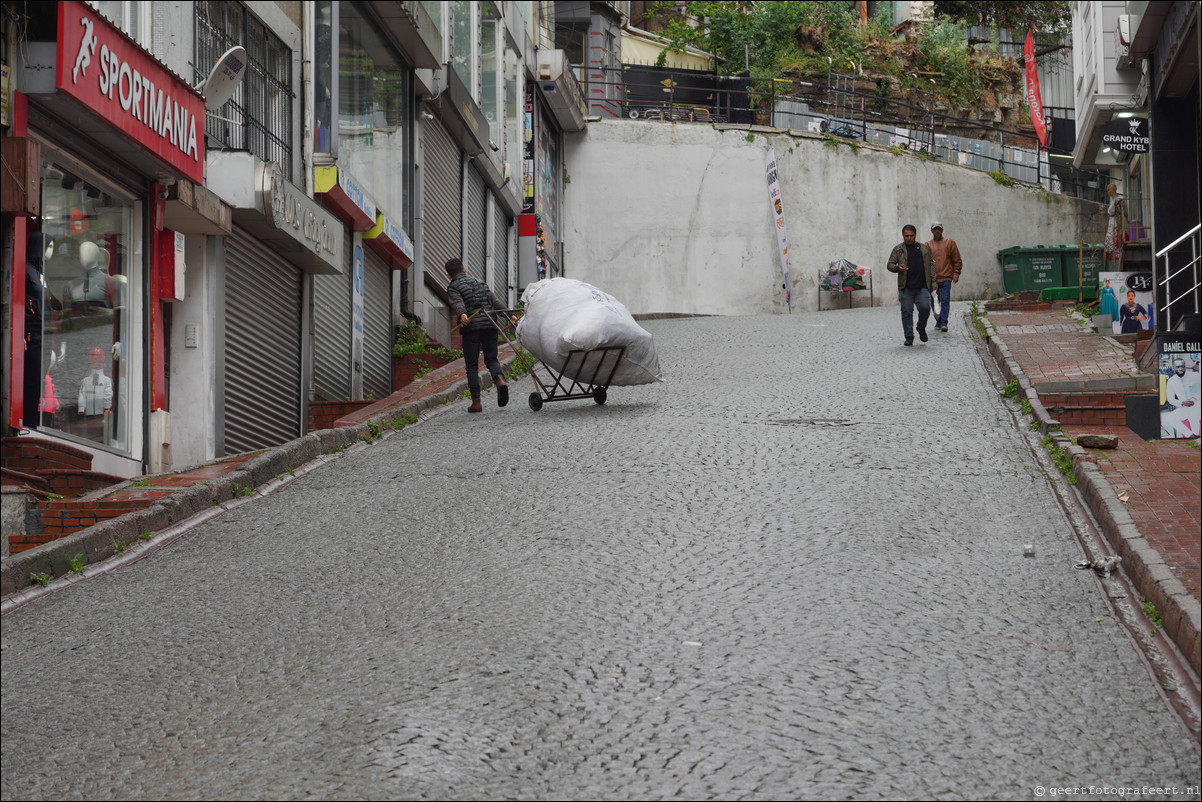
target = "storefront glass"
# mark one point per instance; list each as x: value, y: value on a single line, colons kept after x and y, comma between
x: 514, y: 130
x: 375, y: 113
x: 489, y: 99
x: 88, y: 256
x: 547, y: 186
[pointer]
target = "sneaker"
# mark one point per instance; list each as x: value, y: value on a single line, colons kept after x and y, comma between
x: 909, y: 341
x: 943, y: 329
x: 922, y: 335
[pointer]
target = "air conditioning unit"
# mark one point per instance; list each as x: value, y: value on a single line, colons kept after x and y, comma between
x: 1124, y: 29
x: 1122, y: 42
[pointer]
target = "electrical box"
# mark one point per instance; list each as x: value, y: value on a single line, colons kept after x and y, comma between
x: 171, y: 265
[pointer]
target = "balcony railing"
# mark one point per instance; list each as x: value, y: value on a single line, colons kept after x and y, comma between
x: 1179, y: 282
x: 835, y: 108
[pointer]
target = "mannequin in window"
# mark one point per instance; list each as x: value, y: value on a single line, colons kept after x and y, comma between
x: 96, y: 394
x: 96, y: 285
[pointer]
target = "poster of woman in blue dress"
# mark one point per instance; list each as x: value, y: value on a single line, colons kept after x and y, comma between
x: 1123, y: 296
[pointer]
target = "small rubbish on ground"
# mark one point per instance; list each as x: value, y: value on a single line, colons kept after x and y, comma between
x: 1102, y: 567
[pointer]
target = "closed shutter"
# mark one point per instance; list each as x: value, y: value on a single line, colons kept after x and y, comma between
x: 377, y: 325
x: 262, y: 388
x: 475, y: 225
x: 332, y: 330
x: 500, y: 278
x: 442, y: 222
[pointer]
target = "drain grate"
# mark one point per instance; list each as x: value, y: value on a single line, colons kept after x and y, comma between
x: 810, y: 422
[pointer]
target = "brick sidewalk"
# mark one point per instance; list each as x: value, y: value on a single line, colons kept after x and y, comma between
x: 1160, y: 481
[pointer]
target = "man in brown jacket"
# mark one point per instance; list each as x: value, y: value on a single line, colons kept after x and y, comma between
x: 948, y: 263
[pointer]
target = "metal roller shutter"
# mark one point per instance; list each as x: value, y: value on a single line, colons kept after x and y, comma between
x: 262, y: 388
x: 475, y: 225
x: 500, y: 278
x: 442, y: 234
x: 377, y: 334
x: 332, y: 331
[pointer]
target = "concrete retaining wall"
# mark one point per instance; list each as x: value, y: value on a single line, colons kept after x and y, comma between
x: 674, y: 217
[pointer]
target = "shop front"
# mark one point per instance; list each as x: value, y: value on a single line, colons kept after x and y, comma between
x: 114, y: 129
x: 281, y: 236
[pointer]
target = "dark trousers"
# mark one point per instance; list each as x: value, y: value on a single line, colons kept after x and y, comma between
x: 475, y: 341
x: 910, y: 299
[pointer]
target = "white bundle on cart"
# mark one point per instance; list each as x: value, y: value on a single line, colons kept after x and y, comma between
x: 563, y: 315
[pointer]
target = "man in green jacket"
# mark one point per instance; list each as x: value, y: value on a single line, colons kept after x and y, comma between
x: 911, y: 261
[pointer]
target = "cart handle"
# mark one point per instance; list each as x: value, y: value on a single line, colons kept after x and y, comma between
x: 512, y: 318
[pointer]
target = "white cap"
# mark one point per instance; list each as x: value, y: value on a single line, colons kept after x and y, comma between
x: 936, y: 225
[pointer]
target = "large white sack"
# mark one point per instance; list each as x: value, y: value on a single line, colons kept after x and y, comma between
x: 563, y: 315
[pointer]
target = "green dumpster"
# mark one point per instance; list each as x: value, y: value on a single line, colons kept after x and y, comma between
x: 1032, y: 268
x: 1081, y: 265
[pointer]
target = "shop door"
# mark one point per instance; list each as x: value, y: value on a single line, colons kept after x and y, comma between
x: 262, y: 362
x: 332, y: 330
x: 377, y: 327
x: 442, y: 192
x: 500, y: 276
x: 475, y: 224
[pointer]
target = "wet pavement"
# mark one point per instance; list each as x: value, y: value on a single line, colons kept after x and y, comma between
x: 795, y: 569
x: 1156, y: 484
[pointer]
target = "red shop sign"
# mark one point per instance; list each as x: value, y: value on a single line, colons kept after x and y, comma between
x: 102, y: 68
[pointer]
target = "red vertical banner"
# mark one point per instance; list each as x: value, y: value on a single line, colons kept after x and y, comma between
x: 16, y: 345
x: 1033, y: 98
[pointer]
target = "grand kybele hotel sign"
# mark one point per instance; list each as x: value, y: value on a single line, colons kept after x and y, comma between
x: 1126, y: 134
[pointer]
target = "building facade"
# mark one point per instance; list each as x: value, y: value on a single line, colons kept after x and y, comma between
x: 1137, y: 111
x: 221, y: 228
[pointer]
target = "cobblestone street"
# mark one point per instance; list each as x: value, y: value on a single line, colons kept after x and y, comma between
x: 795, y: 569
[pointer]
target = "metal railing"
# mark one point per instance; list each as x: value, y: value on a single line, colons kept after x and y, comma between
x: 836, y: 108
x: 1187, y: 287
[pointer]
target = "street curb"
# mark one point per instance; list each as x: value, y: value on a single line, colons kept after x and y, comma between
x: 101, y: 542
x: 1181, y: 613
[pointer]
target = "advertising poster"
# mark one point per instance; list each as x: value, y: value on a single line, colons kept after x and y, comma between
x: 1178, y: 367
x: 778, y: 216
x: 1127, y: 298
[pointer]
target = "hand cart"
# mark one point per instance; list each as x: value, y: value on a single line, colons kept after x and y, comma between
x: 593, y: 369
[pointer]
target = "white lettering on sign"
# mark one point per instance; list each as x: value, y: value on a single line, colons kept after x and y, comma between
x: 290, y: 211
x: 137, y: 95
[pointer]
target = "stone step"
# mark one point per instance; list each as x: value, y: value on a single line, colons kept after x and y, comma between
x: 30, y: 454
x: 1088, y: 409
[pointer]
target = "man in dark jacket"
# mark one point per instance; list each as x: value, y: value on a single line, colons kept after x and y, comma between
x: 911, y: 261
x: 468, y: 297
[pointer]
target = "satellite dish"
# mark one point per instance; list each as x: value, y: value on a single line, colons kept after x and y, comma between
x: 224, y: 79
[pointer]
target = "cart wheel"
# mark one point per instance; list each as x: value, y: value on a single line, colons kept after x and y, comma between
x: 599, y: 395
x: 536, y: 402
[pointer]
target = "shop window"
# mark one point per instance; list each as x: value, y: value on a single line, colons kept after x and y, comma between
x: 490, y: 72
x: 258, y: 117
x: 464, y: 35
x: 85, y: 251
x: 375, y: 112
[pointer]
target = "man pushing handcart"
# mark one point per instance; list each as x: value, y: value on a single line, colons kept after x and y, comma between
x: 586, y: 340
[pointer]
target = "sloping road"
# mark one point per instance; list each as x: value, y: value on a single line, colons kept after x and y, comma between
x: 794, y: 569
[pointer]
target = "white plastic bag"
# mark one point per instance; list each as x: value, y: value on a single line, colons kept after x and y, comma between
x: 564, y: 315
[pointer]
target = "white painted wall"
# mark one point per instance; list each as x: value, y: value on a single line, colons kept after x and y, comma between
x: 193, y: 380
x: 674, y: 217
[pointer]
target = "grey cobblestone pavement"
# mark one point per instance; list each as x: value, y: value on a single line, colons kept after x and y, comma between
x: 793, y: 570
